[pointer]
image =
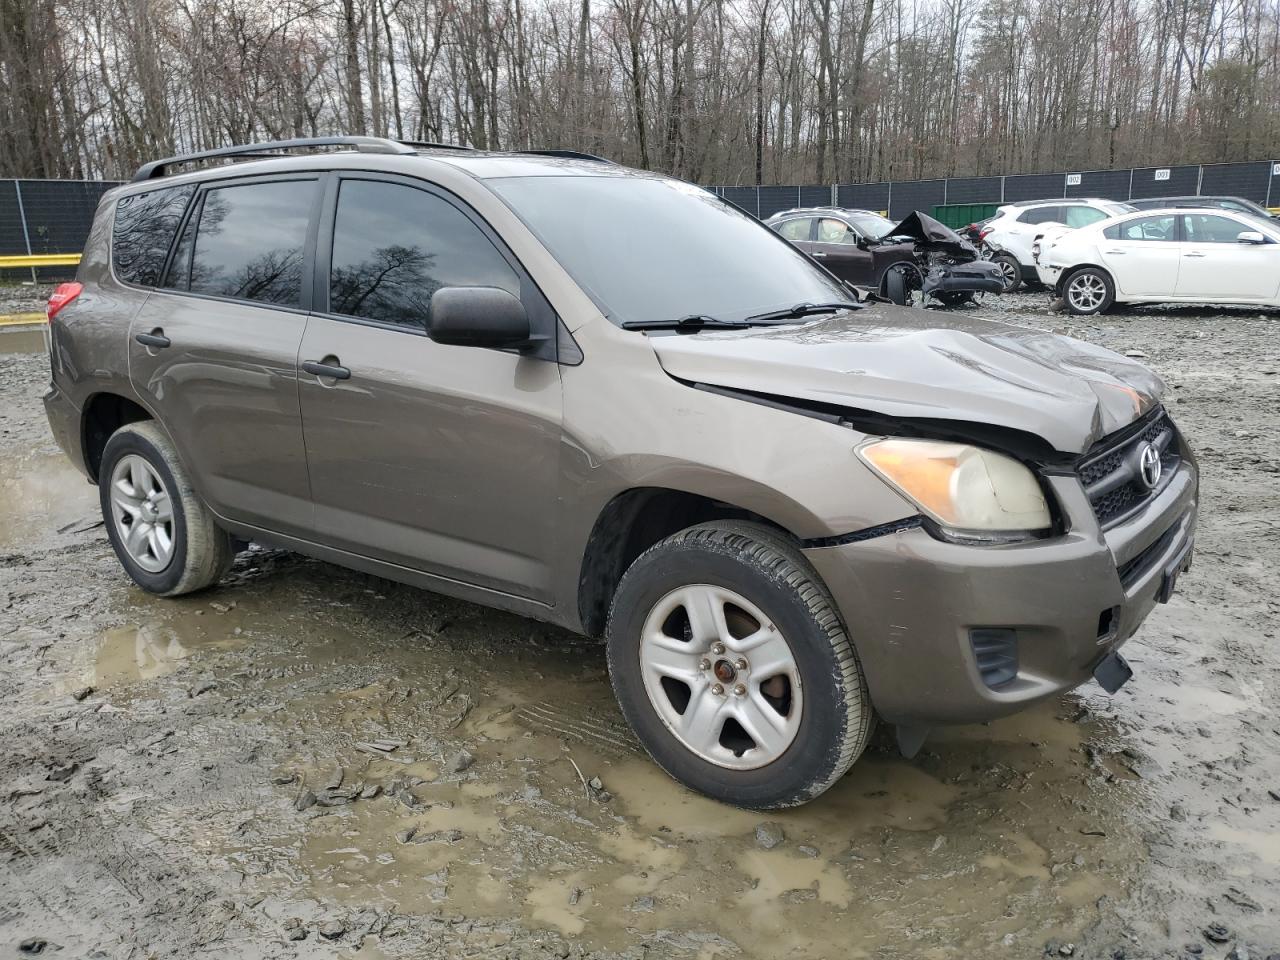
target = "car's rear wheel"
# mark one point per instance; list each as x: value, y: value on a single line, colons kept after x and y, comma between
x: 732, y: 666
x: 1010, y: 271
x: 164, y: 536
x: 1088, y: 290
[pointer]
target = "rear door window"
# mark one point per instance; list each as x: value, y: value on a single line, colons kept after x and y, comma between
x: 143, y: 231
x: 1041, y: 215
x: 394, y: 246
x: 797, y: 231
x: 249, y: 242
x: 1158, y: 228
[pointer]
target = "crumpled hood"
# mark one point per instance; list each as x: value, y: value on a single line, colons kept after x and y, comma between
x: 911, y: 363
x: 929, y: 234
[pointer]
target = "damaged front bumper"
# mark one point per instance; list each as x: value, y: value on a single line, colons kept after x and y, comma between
x: 949, y: 633
x: 978, y: 276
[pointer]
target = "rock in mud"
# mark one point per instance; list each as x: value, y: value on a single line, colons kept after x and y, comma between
x: 332, y: 929
x: 81, y: 693
x: 405, y: 836
x: 769, y: 835
x: 62, y: 772
x: 1217, y: 933
x: 370, y: 792
x: 32, y: 946
x: 1177, y: 812
x: 461, y: 761
x: 439, y: 836
x: 1239, y: 952
x: 641, y: 905
x: 305, y: 799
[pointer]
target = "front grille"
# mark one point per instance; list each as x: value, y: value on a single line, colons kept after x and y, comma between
x: 1112, y: 476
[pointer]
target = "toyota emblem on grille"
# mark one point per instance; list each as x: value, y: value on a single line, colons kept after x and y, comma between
x: 1149, y: 466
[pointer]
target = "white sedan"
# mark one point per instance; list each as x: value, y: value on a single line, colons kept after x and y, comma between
x: 1163, y: 256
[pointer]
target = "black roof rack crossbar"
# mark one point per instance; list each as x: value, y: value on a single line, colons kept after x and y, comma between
x: 158, y: 168
x: 567, y: 154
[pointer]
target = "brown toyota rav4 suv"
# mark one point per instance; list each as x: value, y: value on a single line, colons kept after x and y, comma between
x: 606, y: 399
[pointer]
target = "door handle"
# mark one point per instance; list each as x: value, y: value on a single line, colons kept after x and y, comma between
x: 819, y: 255
x: 1114, y: 253
x: 1194, y: 254
x: 331, y: 370
x: 155, y: 338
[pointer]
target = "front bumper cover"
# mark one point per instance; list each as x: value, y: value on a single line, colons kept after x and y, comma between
x: 909, y: 602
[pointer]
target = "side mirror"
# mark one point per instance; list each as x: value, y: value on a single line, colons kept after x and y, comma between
x: 1251, y: 236
x: 478, y: 317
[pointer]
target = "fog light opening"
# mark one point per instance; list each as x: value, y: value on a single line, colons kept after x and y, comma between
x: 995, y: 649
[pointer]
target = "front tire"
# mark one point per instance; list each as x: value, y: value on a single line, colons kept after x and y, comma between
x: 730, y: 663
x: 1088, y: 291
x: 163, y: 535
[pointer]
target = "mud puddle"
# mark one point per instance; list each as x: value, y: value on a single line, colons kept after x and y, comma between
x: 23, y: 340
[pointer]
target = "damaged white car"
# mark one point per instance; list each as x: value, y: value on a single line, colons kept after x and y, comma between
x: 1163, y: 256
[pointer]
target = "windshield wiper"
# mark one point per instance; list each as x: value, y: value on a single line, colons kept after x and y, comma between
x: 802, y: 310
x: 695, y: 321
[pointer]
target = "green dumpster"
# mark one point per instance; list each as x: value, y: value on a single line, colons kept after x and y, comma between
x: 957, y: 215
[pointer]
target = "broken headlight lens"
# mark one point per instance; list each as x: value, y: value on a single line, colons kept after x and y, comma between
x: 972, y: 494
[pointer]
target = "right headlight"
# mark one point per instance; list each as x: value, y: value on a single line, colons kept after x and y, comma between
x: 972, y: 494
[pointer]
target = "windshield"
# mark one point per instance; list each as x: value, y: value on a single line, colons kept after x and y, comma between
x: 871, y: 224
x: 647, y: 249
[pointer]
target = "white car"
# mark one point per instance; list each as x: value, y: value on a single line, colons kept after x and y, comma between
x: 1164, y: 256
x: 1016, y: 225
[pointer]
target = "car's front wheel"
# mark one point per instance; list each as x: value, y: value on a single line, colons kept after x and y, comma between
x: 732, y: 666
x: 164, y: 536
x: 1088, y: 290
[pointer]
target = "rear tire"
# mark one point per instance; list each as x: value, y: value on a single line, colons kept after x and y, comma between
x: 1011, y: 269
x: 1088, y: 291
x: 735, y: 605
x: 164, y: 536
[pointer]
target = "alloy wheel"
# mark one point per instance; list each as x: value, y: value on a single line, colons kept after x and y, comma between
x: 721, y: 676
x: 1086, y: 292
x: 142, y: 513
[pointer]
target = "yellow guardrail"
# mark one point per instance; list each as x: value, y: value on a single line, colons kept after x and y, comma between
x: 21, y: 319
x: 41, y: 260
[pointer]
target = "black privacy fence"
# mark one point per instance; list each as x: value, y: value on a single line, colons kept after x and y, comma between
x: 1258, y: 181
x: 42, y: 217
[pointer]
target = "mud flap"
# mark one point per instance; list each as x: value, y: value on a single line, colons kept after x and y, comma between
x: 911, y: 739
x: 1112, y: 672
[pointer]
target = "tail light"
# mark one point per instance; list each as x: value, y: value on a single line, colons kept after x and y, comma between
x: 982, y: 234
x: 62, y: 294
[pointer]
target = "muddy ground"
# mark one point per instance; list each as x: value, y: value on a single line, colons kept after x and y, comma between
x: 309, y: 762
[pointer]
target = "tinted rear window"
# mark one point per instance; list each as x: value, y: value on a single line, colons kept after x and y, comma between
x: 249, y: 242
x: 144, y: 227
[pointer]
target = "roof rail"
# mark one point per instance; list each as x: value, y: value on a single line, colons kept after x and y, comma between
x: 566, y: 154
x: 433, y: 145
x: 158, y: 168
